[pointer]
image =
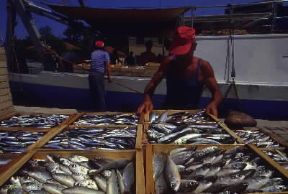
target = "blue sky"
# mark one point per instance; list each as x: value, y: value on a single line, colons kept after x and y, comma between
x: 57, y: 28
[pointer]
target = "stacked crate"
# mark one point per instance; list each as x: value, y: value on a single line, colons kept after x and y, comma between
x: 40, y: 151
x: 6, y: 105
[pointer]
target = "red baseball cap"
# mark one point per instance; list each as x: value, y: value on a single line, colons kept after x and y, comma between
x: 99, y: 44
x: 183, y: 40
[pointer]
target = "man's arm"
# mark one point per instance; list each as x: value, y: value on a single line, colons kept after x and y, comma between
x: 147, y: 105
x: 211, y: 83
x: 108, y: 71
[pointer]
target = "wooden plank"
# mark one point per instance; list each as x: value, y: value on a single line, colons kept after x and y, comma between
x: 5, y: 105
x: 150, y: 184
x: 4, y: 84
x: 4, y: 78
x: 3, y: 71
x: 3, y: 64
x: 6, y: 98
x: 140, y: 176
x: 139, y: 137
x: 4, y: 91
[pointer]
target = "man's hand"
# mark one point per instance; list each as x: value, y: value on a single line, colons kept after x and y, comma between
x: 212, y: 109
x: 146, y: 106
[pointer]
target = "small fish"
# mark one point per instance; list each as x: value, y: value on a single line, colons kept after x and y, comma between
x: 172, y: 174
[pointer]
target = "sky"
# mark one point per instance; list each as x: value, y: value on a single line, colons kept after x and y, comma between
x: 58, y: 28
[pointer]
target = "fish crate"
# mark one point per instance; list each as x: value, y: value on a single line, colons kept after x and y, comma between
x: 237, y: 167
x: 205, y: 130
x: 99, y: 137
x: 116, y: 167
x: 19, y: 141
x: 260, y: 137
x: 94, y: 119
x: 35, y: 121
x: 278, y: 155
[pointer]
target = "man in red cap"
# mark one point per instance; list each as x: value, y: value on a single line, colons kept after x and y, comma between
x: 100, y: 61
x: 185, y: 76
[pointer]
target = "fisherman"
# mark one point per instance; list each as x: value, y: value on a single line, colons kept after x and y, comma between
x: 148, y: 55
x: 185, y: 76
x: 100, y: 61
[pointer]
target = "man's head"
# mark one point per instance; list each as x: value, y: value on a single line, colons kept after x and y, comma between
x: 149, y: 45
x: 99, y: 44
x: 183, y: 41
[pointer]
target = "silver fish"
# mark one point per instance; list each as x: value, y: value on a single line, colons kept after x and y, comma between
x: 112, y: 184
x: 53, y: 188
x: 172, y: 174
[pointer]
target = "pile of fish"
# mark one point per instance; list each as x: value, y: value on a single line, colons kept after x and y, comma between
x: 165, y: 133
x: 187, y: 128
x: 17, y: 141
x: 181, y: 117
x: 73, y: 175
x: 214, y: 170
x: 278, y: 156
x: 255, y: 136
x: 91, y: 138
x: 37, y: 121
x: 108, y: 119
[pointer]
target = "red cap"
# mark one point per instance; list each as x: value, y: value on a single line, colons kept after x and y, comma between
x: 183, y: 40
x: 99, y: 44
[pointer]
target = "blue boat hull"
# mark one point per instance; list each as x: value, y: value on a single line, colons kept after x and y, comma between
x: 64, y: 97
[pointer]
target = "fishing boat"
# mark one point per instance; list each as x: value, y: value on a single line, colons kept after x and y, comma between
x: 258, y: 84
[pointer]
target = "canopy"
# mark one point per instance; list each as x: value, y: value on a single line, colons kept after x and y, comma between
x: 128, y: 21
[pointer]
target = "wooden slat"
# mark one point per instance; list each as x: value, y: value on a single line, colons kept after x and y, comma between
x: 5, y: 98
x: 5, y: 105
x: 4, y: 78
x: 3, y: 64
x: 139, y: 137
x: 4, y: 91
x: 4, y: 84
x: 3, y: 71
x: 140, y: 176
x: 150, y: 184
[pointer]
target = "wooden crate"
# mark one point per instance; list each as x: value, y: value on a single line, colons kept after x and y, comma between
x: 71, y: 118
x: 6, y: 104
x: 147, y: 124
x: 128, y: 154
x: 154, y: 149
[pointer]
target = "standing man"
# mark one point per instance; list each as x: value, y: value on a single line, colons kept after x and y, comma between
x: 100, y: 61
x: 148, y: 55
x: 185, y: 74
